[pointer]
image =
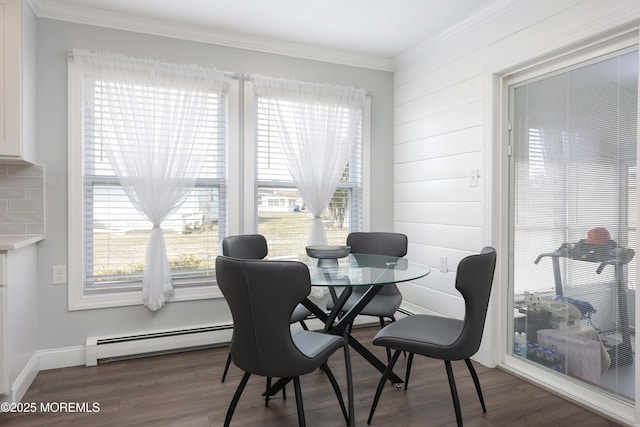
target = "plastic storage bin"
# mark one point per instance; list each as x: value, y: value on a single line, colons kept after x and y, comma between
x: 581, y: 356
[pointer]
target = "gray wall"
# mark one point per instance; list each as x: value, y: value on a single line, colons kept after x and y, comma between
x: 60, y: 328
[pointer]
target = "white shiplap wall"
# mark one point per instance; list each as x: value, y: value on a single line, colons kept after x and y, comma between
x: 446, y: 110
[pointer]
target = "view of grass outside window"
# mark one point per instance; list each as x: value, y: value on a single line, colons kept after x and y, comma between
x: 119, y: 250
x: 284, y: 221
x: 192, y: 243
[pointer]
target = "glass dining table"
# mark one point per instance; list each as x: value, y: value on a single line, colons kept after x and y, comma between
x: 355, y: 270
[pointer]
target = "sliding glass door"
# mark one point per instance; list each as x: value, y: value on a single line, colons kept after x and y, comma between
x: 573, y: 140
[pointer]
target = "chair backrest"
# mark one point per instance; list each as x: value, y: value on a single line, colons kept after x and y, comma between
x: 378, y: 243
x: 245, y: 246
x: 262, y: 296
x: 474, y: 278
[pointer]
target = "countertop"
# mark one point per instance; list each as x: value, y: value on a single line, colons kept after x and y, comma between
x: 17, y: 241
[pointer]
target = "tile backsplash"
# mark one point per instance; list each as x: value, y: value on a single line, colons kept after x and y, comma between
x: 21, y: 199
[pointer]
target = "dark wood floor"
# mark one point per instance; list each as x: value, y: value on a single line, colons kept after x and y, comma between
x: 185, y: 390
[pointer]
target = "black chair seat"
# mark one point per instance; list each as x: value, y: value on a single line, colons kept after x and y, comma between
x: 300, y: 314
x: 408, y: 335
x: 314, y: 345
x: 379, y: 306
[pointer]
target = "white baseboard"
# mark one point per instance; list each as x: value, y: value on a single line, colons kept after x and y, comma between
x: 24, y: 380
x: 66, y: 357
x: 61, y: 357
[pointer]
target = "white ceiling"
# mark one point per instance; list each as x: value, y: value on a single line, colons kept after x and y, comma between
x: 376, y: 28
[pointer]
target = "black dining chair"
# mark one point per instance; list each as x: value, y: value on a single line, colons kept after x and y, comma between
x: 387, y: 301
x: 262, y: 295
x: 442, y: 337
x: 254, y: 246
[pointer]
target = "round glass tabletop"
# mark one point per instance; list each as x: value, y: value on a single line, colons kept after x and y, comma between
x: 366, y: 270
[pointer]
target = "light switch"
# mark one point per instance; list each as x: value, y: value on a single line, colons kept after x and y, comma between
x: 443, y: 264
x: 474, y: 176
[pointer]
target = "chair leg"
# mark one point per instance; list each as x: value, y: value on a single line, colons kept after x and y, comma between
x: 299, y: 405
x: 236, y: 398
x: 226, y: 367
x: 476, y: 381
x: 406, y: 375
x: 385, y: 375
x: 266, y: 394
x: 347, y: 363
x: 454, y: 392
x: 336, y: 389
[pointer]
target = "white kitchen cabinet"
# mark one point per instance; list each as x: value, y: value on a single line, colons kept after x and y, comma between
x: 18, y: 321
x: 4, y: 364
x: 17, y: 81
x: 4, y: 355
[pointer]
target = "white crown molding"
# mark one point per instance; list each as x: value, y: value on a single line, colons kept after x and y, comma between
x: 486, y: 14
x: 59, y: 10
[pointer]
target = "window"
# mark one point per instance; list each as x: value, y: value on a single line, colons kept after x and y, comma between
x: 108, y: 237
x: 278, y: 210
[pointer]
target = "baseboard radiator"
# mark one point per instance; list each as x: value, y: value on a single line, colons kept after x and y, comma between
x: 102, y: 349
x: 118, y: 347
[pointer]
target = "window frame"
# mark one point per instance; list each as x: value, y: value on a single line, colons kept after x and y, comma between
x: 78, y: 298
x: 249, y: 175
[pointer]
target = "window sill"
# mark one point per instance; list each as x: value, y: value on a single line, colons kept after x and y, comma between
x: 123, y: 299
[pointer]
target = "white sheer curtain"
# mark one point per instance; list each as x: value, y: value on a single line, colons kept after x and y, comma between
x: 152, y: 115
x: 317, y: 123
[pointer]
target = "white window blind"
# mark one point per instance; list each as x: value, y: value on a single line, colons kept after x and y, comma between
x: 574, y: 152
x: 116, y: 234
x: 281, y: 214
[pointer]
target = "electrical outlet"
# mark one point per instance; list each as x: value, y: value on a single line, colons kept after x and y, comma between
x: 59, y: 274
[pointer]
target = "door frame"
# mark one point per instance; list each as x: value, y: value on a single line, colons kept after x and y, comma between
x: 498, y: 220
